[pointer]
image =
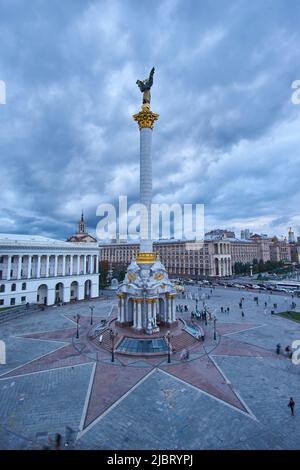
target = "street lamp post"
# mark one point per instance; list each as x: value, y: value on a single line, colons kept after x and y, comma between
x: 113, y: 335
x: 77, y: 318
x: 168, y: 336
x: 215, y: 329
x: 92, y: 311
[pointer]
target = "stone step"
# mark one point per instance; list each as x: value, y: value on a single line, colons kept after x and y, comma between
x: 16, y: 312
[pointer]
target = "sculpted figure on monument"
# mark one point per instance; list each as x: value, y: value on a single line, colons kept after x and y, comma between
x: 145, y: 85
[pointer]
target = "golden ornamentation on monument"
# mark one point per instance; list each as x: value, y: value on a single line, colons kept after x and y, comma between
x: 146, y: 117
x: 171, y: 296
x: 121, y: 295
x: 131, y: 277
x: 146, y: 258
x: 158, y: 276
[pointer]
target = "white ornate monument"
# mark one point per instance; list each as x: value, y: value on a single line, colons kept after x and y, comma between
x: 146, y: 296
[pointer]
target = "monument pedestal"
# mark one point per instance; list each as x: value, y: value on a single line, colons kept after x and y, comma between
x: 146, y: 298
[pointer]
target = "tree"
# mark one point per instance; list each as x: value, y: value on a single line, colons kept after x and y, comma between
x: 104, y: 267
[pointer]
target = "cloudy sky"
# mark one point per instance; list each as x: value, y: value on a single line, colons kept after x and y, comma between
x: 228, y: 134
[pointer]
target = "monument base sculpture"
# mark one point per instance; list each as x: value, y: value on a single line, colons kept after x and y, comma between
x: 146, y: 297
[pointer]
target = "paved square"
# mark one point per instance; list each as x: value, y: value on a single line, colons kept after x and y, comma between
x: 232, y: 393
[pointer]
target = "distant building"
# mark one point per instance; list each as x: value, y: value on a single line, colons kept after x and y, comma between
x: 291, y: 235
x: 42, y: 270
x: 81, y: 236
x: 246, y: 234
x: 280, y: 250
x: 221, y: 233
x: 181, y: 258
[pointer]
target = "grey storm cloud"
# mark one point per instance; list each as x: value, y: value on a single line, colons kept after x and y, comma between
x: 228, y: 134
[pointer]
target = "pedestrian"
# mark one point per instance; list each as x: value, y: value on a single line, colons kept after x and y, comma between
x: 291, y: 405
x: 222, y: 309
x: 243, y: 314
x: 278, y: 347
x: 288, y: 351
x: 57, y: 441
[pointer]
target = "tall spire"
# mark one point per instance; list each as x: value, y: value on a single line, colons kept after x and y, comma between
x: 81, y: 228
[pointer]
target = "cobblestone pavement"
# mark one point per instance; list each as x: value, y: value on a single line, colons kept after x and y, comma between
x: 235, y: 397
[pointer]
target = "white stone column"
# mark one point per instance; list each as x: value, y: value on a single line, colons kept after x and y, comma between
x: 47, y: 265
x: 123, y: 316
x: 154, y: 313
x: 8, y: 267
x: 84, y: 264
x: 149, y: 314
x: 173, y: 309
x: 38, y: 269
x: 139, y: 315
x: 19, y: 266
x: 64, y: 265
x: 29, y: 266
x: 168, y: 310
x: 90, y: 264
x: 78, y: 264
x: 97, y: 264
x: 146, y: 185
x: 134, y: 310
x: 55, y: 265
x: 71, y: 264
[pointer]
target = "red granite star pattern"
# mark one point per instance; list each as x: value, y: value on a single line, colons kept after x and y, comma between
x: 111, y: 381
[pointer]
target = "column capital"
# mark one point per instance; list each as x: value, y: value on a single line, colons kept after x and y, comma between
x: 121, y: 295
x: 146, y: 118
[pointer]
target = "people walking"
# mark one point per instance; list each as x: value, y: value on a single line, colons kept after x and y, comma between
x: 243, y: 314
x: 291, y: 405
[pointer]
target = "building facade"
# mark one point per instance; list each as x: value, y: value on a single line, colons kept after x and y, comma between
x: 243, y: 251
x: 46, y: 271
x: 215, y: 257
x: 280, y: 251
x: 180, y: 258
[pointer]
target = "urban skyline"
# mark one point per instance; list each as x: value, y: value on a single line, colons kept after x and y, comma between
x: 228, y: 136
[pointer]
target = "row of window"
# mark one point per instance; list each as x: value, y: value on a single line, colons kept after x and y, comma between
x: 13, y: 287
x: 13, y: 300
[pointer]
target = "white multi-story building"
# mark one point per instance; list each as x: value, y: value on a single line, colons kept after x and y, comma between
x: 36, y: 269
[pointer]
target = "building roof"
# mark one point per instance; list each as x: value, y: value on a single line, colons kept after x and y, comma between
x: 207, y: 238
x: 9, y: 239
